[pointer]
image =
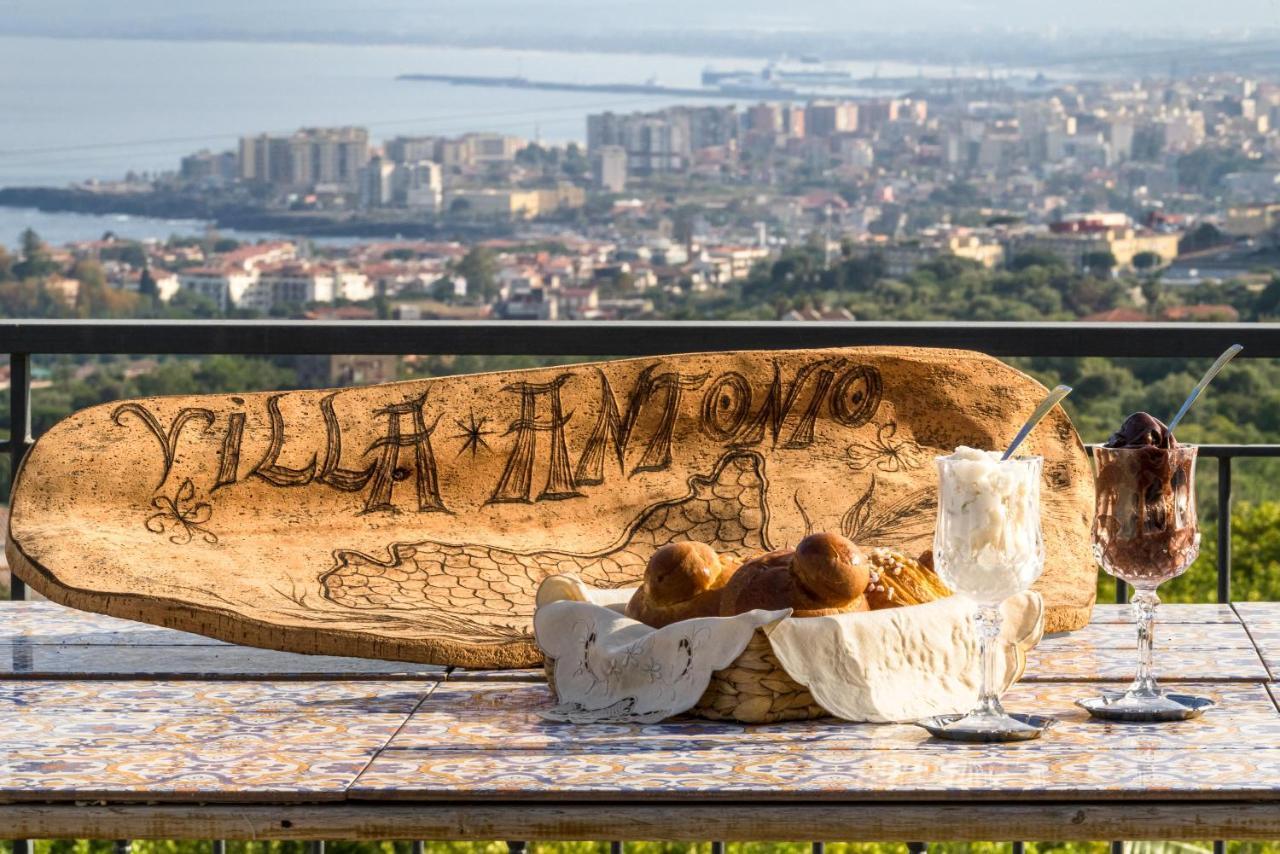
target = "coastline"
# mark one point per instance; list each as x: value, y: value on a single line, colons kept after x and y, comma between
x: 245, y: 218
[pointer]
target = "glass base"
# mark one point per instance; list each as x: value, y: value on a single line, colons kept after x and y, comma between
x: 987, y: 728
x: 1160, y: 708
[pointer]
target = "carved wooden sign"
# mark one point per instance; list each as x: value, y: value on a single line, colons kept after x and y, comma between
x: 415, y: 520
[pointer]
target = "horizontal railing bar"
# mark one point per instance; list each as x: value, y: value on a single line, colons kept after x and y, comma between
x: 624, y: 338
x: 865, y: 821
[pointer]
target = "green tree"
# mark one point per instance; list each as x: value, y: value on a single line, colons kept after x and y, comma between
x: 1145, y: 261
x: 1152, y: 289
x: 187, y: 304
x: 36, y: 262
x: 1099, y: 263
x: 1035, y: 258
x: 1267, y: 304
x: 1206, y: 235
x: 575, y: 163
x: 479, y: 268
x: 147, y: 287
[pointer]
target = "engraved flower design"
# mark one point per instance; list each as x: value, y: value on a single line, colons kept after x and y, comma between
x: 884, y: 452
x: 181, y: 516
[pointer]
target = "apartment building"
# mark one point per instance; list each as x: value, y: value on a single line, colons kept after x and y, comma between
x: 825, y: 118
x: 323, y: 159
x: 514, y: 203
x: 609, y: 168
x: 226, y: 286
x: 1076, y: 239
x: 1252, y: 220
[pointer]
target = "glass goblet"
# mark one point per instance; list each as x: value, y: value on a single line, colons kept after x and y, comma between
x: 1145, y: 532
x: 988, y: 546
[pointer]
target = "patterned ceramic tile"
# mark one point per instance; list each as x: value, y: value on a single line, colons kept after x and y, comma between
x: 73, y: 734
x: 122, y: 772
x: 504, y: 717
x: 1067, y: 665
x: 981, y: 772
x: 45, y: 622
x: 1257, y: 613
x: 308, y: 698
x: 1169, y: 636
x: 207, y: 741
x: 1173, y: 613
x: 1267, y: 641
x: 24, y: 660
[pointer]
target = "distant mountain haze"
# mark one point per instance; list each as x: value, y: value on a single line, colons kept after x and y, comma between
x: 419, y: 19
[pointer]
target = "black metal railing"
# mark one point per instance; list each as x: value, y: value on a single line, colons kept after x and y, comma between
x: 23, y: 339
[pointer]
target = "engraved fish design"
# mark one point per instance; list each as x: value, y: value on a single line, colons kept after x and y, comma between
x: 725, y: 509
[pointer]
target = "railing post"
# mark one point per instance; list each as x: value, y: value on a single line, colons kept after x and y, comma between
x: 19, y: 438
x: 1224, y: 529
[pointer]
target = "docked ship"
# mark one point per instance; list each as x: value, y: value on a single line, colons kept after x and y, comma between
x: 781, y: 74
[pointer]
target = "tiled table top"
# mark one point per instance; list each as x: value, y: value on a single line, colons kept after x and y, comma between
x: 93, y: 708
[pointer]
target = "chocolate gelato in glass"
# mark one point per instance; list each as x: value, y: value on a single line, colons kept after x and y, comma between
x: 1142, y: 430
x: 1145, y: 527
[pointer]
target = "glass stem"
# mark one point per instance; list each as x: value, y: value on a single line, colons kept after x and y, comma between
x: 1144, y: 615
x: 988, y: 620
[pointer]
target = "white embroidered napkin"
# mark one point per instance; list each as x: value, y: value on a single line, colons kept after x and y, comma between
x: 611, y: 668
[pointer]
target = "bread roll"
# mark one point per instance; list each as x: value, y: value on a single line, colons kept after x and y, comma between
x: 682, y: 581
x: 899, y: 580
x: 825, y: 574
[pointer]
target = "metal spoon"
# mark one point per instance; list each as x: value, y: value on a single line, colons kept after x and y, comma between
x: 1204, y: 381
x: 1042, y: 410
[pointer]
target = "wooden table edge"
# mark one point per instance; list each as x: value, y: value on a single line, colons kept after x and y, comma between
x: 1241, y: 819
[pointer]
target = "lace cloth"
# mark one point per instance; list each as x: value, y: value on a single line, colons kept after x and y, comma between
x: 894, y: 665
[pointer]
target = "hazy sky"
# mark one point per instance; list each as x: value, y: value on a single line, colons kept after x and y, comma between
x: 1113, y: 16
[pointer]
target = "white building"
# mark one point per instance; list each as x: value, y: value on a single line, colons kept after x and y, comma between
x: 297, y: 284
x: 420, y: 185
x: 353, y: 285
x: 377, y: 188
x: 226, y: 286
x: 609, y: 167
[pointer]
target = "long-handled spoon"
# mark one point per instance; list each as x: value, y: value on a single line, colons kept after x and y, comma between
x: 1217, y: 366
x: 1042, y: 410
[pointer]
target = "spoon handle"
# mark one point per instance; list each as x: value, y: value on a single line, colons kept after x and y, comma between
x: 1042, y: 410
x: 1217, y: 366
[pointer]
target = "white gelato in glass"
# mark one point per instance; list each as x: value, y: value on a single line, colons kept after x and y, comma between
x: 988, y: 544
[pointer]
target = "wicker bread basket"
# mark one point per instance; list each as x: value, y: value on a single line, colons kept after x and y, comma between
x: 753, y: 690
x: 756, y: 689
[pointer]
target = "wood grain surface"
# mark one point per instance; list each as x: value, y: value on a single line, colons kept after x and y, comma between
x: 413, y: 521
